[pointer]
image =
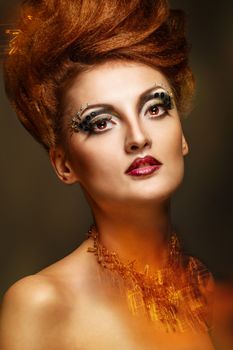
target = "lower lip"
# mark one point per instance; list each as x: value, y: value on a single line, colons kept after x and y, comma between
x: 144, y: 171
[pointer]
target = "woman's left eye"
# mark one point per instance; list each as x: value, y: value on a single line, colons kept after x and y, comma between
x: 156, y: 110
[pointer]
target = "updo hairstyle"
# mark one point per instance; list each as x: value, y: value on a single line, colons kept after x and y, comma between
x: 57, y: 39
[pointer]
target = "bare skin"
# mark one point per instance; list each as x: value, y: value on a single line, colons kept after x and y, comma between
x: 71, y: 305
x: 65, y: 307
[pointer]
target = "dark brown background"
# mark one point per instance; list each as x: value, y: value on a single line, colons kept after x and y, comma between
x: 42, y: 220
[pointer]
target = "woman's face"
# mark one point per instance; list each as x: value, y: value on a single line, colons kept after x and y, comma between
x: 134, y: 116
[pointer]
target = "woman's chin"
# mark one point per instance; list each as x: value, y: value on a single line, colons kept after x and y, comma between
x: 145, y: 199
x: 157, y: 192
x: 136, y: 193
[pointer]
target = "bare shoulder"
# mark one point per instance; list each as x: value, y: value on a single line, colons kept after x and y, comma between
x: 29, y: 307
x: 37, y: 310
x: 74, y: 272
x: 50, y: 286
x: 30, y: 292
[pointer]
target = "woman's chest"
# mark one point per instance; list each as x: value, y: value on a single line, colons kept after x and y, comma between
x: 96, y: 325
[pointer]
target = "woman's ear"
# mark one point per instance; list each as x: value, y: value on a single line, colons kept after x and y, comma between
x: 185, y: 147
x: 62, y: 166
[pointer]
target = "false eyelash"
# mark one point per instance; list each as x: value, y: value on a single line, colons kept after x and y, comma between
x: 94, y: 121
x: 165, y: 98
x: 77, y: 124
x: 88, y: 122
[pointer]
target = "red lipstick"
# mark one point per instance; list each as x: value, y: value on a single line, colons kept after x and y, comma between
x: 143, y: 166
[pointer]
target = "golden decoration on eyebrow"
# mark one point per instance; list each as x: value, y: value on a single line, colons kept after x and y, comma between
x: 76, y: 120
x: 82, y: 108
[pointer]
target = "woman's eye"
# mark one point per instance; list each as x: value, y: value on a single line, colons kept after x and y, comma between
x: 101, y: 125
x: 156, y: 110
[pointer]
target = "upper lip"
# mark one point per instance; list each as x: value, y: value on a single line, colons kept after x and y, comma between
x: 143, y: 160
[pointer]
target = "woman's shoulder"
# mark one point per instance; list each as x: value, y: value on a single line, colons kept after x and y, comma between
x: 70, y: 272
x: 30, y: 303
x: 47, y: 285
x: 42, y: 300
x: 32, y: 297
x: 31, y: 291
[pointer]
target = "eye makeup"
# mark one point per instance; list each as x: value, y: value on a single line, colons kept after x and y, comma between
x: 162, y: 98
x: 91, y: 121
x: 95, y: 121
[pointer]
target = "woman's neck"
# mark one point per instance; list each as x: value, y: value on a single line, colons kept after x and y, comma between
x: 139, y: 233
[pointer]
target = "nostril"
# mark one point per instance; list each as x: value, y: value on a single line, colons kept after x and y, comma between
x: 134, y: 147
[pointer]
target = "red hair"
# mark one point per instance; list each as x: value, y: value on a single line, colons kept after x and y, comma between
x: 57, y: 39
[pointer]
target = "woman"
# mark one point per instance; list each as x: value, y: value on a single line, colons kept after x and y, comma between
x: 103, y: 86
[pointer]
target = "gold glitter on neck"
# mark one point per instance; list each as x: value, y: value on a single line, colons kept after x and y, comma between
x: 172, y: 296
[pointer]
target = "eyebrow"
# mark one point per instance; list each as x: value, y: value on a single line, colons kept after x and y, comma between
x: 143, y: 98
x: 149, y: 94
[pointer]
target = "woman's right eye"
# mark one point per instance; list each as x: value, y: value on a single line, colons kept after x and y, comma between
x: 95, y: 124
x: 101, y: 125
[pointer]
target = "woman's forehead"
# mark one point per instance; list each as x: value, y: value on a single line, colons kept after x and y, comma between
x: 113, y: 81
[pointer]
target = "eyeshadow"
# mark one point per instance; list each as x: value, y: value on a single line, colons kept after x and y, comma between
x: 80, y: 122
x: 163, y: 96
x: 85, y: 122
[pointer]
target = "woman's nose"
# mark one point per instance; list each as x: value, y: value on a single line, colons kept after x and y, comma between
x: 136, y: 139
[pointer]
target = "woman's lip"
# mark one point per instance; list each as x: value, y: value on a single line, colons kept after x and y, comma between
x: 148, y: 161
x: 144, y: 171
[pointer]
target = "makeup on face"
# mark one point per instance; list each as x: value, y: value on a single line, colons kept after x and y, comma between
x: 143, y: 166
x: 156, y: 101
x: 93, y: 121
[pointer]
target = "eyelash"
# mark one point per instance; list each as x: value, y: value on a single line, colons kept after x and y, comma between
x: 159, y: 106
x: 90, y: 125
x: 94, y: 122
x: 108, y: 118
